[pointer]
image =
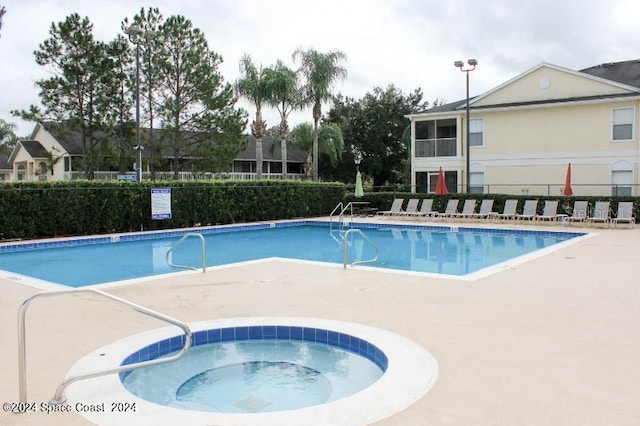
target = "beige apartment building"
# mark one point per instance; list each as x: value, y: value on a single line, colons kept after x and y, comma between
x: 524, y: 133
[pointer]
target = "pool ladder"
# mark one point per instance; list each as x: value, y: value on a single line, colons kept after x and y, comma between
x: 177, y: 243
x: 59, y: 397
x: 345, y: 244
x: 340, y: 211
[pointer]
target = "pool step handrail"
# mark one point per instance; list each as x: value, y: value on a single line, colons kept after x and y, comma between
x: 59, y: 397
x: 177, y: 243
x: 340, y: 210
x: 337, y: 210
x: 345, y: 244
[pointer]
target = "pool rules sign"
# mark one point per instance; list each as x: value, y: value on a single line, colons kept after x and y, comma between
x: 160, y: 203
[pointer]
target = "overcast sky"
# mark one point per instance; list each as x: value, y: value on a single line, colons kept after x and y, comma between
x: 408, y: 43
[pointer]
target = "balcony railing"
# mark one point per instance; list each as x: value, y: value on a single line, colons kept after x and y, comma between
x: 445, y: 147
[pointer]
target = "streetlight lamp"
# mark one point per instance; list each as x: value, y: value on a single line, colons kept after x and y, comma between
x: 459, y: 64
x: 136, y: 36
x: 357, y: 159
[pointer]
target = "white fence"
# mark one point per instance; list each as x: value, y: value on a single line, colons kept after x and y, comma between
x: 183, y: 176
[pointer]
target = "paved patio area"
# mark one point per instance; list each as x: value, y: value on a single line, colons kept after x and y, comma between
x: 553, y: 341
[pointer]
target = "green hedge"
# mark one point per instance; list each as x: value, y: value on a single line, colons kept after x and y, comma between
x: 49, y: 209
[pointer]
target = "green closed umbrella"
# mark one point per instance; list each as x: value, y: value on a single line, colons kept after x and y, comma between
x: 359, y: 189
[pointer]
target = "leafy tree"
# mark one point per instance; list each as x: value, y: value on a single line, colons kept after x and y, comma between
x: 8, y: 137
x: 285, y: 95
x: 330, y: 142
x: 79, y: 94
x: 374, y: 127
x: 252, y: 85
x: 320, y: 71
x: 195, y: 106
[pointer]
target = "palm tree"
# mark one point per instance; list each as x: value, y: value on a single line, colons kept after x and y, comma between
x: 252, y: 85
x: 329, y: 139
x: 285, y: 95
x: 320, y: 71
x: 8, y: 137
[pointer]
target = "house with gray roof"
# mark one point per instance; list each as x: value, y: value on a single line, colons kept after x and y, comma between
x: 53, y: 153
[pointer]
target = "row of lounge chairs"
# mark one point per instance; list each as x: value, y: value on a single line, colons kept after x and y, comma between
x: 601, y: 212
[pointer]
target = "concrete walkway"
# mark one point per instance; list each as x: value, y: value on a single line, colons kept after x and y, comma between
x: 553, y: 341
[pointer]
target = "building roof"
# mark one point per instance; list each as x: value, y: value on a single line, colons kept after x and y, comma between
x: 269, y: 152
x: 35, y: 149
x: 627, y: 73
x: 71, y: 141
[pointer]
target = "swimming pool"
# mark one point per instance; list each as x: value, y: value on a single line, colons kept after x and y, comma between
x: 442, y: 250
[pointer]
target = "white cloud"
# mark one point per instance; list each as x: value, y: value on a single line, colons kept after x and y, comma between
x: 410, y: 43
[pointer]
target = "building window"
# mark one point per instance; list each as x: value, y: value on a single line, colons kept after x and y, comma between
x: 427, y: 181
x: 621, y: 183
x: 476, y: 132
x: 623, y: 123
x: 476, y: 182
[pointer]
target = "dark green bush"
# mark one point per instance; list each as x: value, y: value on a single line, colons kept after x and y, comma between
x: 48, y: 209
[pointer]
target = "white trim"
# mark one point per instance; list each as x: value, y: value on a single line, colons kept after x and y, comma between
x: 561, y: 156
x: 546, y: 105
x: 547, y: 159
x: 621, y: 165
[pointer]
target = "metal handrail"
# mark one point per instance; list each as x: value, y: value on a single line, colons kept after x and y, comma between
x: 345, y: 245
x: 59, y: 397
x: 339, y: 208
x: 342, y: 209
x: 177, y: 243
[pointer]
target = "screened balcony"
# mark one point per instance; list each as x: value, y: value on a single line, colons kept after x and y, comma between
x: 436, y: 138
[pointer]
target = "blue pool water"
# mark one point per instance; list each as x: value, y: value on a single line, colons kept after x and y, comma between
x: 431, y: 249
x: 255, y: 376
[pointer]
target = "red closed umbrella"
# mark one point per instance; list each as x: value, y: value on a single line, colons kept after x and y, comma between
x: 567, y: 183
x: 441, y: 187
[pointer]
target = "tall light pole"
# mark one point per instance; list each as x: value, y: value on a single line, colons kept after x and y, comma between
x: 459, y: 64
x: 137, y: 35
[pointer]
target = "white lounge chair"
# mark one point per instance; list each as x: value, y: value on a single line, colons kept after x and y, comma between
x: 412, y: 208
x: 600, y: 213
x: 579, y: 213
x: 625, y: 214
x: 549, y: 212
x: 452, y: 207
x: 468, y: 209
x: 396, y: 207
x: 425, y: 209
x: 486, y: 208
x: 529, y: 210
x: 509, y: 211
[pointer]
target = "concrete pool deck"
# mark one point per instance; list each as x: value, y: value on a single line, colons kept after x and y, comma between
x: 552, y: 341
